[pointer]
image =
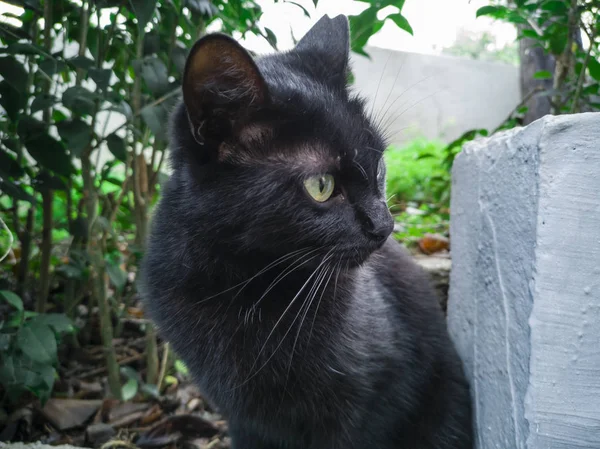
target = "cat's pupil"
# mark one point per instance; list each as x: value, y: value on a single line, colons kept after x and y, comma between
x: 321, y: 184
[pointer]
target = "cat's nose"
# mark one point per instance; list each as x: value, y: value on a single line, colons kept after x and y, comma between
x: 377, y: 222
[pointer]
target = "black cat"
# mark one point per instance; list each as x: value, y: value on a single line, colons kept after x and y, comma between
x: 271, y: 270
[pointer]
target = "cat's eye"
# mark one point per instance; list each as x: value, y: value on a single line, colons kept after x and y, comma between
x: 320, y: 187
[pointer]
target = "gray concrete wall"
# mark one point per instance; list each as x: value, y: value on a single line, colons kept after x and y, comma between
x: 524, y: 302
x: 435, y: 96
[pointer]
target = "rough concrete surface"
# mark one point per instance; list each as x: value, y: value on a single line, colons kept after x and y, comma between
x: 38, y: 445
x: 524, y: 302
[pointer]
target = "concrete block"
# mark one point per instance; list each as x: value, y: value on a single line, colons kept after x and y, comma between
x: 524, y: 300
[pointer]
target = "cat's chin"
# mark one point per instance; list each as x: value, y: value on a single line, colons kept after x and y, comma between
x: 355, y: 256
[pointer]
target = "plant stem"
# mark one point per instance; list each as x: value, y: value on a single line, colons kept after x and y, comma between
x: 151, y: 355
x: 47, y: 194
x: 100, y: 292
x: 163, y: 366
x: 591, y: 36
x: 25, y: 237
x: 564, y: 61
x: 46, y: 249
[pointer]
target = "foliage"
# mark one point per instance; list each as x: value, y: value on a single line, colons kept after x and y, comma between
x: 418, y: 188
x: 415, y: 172
x: 556, y: 26
x: 482, y: 46
x: 28, y: 349
x: 86, y: 88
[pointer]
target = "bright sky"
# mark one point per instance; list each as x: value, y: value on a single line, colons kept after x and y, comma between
x: 435, y: 23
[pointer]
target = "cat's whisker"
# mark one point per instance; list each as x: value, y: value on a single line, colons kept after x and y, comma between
x: 275, y: 327
x: 379, y: 84
x: 376, y: 119
x: 412, y: 86
x: 396, y: 117
x: 360, y: 167
x: 335, y: 269
x: 316, y: 286
x: 289, y: 270
x: 264, y: 270
x: 309, y: 300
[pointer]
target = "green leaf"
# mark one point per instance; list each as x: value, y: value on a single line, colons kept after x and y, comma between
x: 38, y: 342
x: 401, y: 22
x: 594, y: 68
x: 555, y: 6
x: 154, y: 72
x: 12, y: 299
x: 46, y: 180
x: 76, y: 134
x: 79, y: 100
x: 116, y: 145
x: 151, y: 390
x: 156, y: 119
x: 202, y: 7
x: 130, y: 373
x: 9, y: 166
x: 542, y: 75
x: 57, y: 321
x: 51, y: 66
x: 82, y: 62
x: 178, y: 56
x: 41, y: 102
x: 364, y: 26
x: 558, y: 40
x: 7, y: 371
x: 43, y: 383
x: 271, y: 38
x: 5, y: 340
x: 13, y: 73
x: 49, y: 153
x: 306, y: 13
x: 11, y: 100
x: 143, y: 10
x: 530, y: 34
x: 181, y: 368
x: 117, y: 276
x: 497, y: 12
x: 100, y: 76
x: 15, y: 191
x: 24, y: 48
x: 129, y: 390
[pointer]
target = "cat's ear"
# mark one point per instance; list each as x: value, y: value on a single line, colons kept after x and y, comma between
x: 221, y: 83
x: 329, y: 41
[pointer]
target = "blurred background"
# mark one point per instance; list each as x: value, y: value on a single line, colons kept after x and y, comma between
x: 86, y: 87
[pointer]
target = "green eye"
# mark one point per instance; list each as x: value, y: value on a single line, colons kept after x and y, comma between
x: 320, y: 187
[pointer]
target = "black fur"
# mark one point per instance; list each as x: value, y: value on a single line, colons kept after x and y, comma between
x: 302, y: 322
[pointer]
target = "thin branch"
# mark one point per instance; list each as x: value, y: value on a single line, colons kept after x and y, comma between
x: 591, y: 36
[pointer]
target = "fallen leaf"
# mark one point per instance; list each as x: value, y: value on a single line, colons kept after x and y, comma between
x: 69, y: 413
x: 98, y: 434
x: 433, y: 243
x: 122, y: 410
x: 175, y: 428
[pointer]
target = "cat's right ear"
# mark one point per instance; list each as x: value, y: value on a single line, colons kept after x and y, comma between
x: 221, y: 83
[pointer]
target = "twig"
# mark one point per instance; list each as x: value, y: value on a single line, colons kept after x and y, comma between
x: 102, y: 369
x: 586, y: 61
x: 163, y: 366
x: 135, y: 115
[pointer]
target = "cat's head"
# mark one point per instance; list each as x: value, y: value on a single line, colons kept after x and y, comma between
x: 275, y: 153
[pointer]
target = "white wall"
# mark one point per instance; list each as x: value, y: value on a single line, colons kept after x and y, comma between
x: 435, y: 96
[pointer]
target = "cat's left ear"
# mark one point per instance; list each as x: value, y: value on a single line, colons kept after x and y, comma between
x: 327, y: 43
x: 221, y: 83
